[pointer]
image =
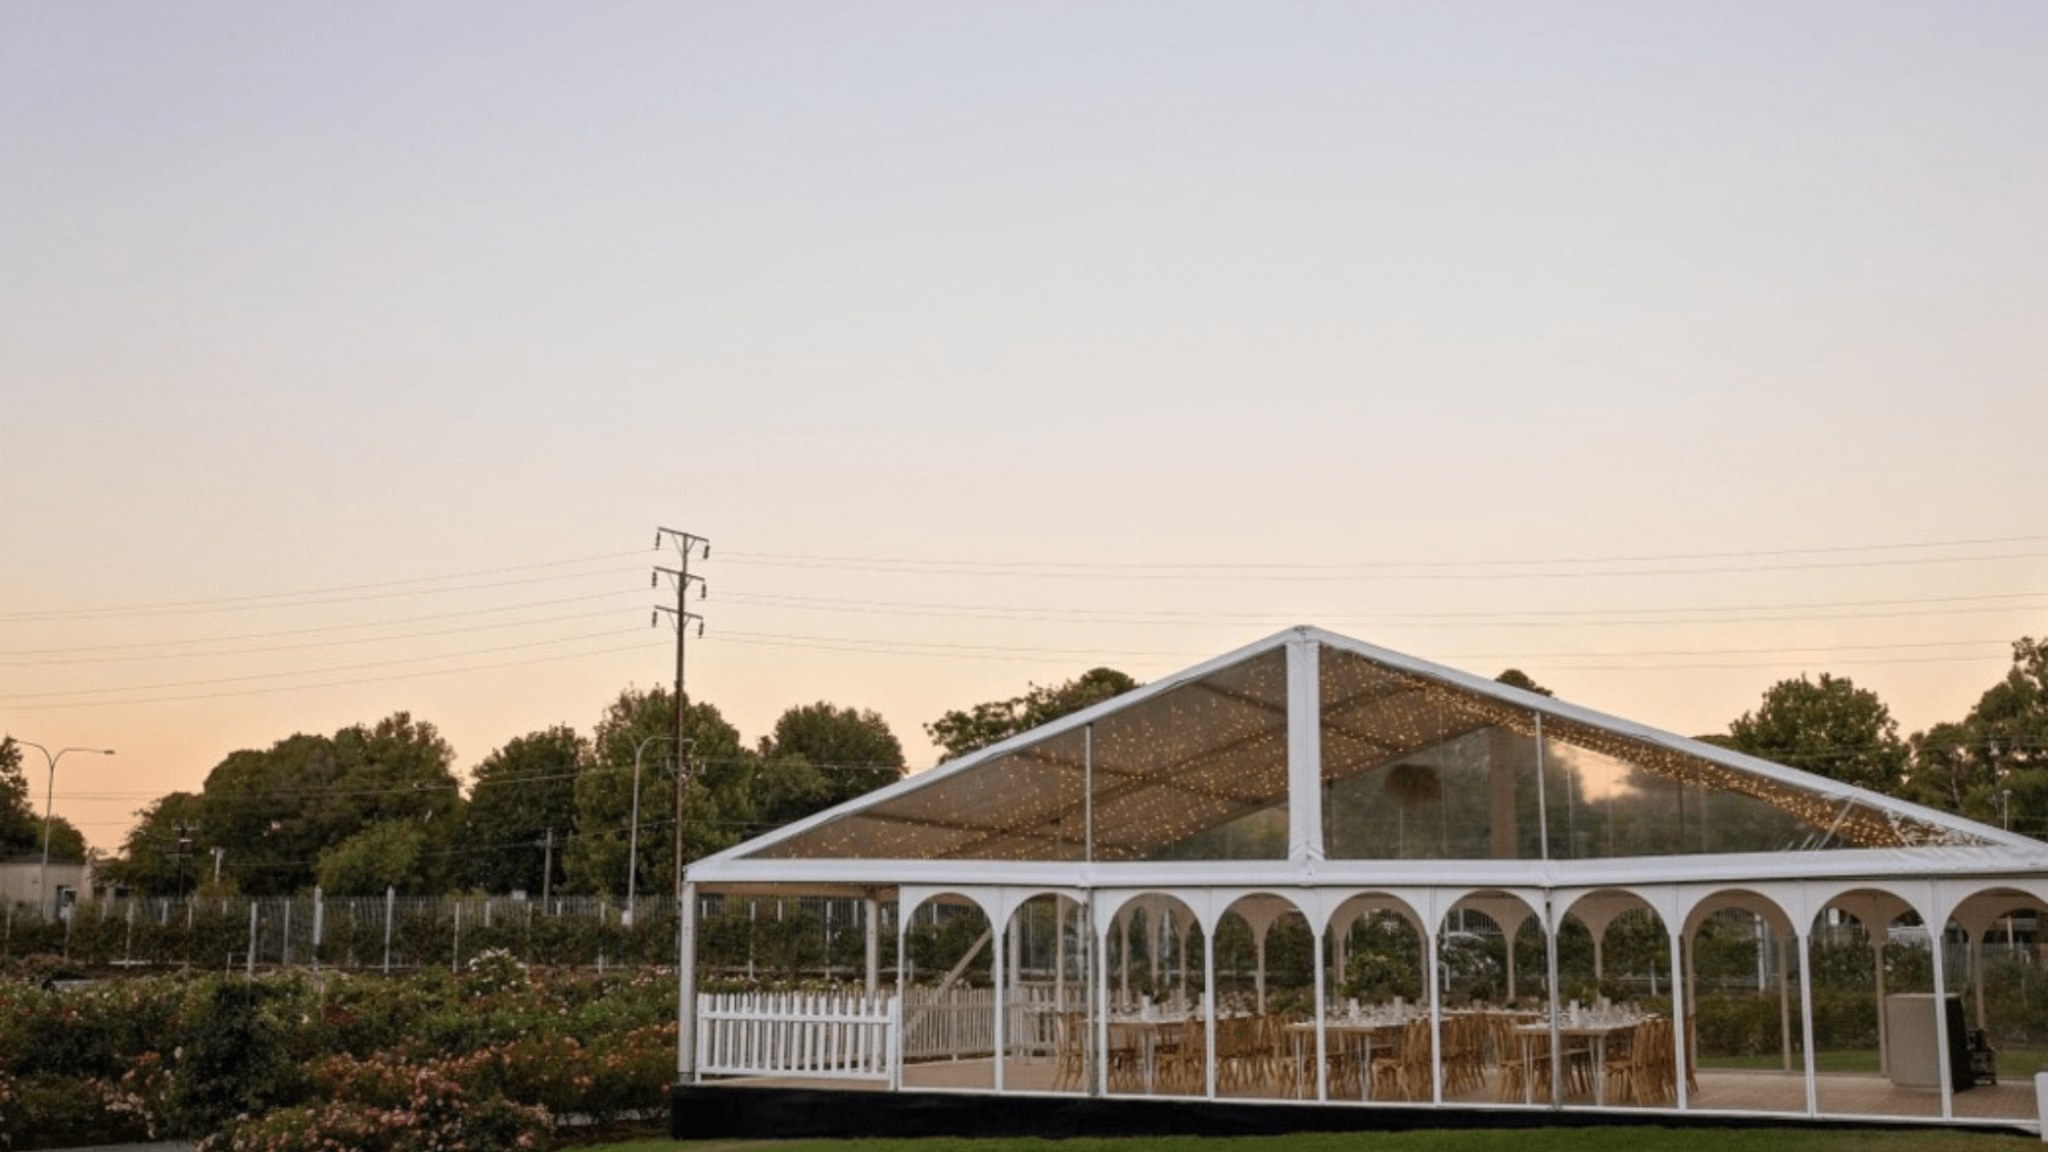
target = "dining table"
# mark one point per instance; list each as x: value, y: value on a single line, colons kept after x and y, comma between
x: 1593, y: 1027
x: 1365, y: 1032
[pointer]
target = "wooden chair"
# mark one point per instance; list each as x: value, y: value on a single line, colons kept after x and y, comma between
x: 1346, y: 1065
x: 1181, y: 1064
x: 1405, y: 1073
x: 1524, y: 1063
x: 1070, y: 1070
x: 1465, y: 1044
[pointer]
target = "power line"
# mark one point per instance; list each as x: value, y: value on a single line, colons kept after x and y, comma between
x: 388, y: 623
x: 276, y: 600
x: 309, y: 672
x: 309, y: 644
x: 762, y: 557
x: 346, y: 683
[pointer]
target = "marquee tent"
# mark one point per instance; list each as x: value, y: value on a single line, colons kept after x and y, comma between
x: 1315, y: 871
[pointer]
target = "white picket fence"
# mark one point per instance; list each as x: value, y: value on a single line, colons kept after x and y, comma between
x: 960, y: 1023
x: 846, y: 1036
x: 797, y: 1034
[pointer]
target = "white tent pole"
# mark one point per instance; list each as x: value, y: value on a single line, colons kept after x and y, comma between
x: 1436, y: 1020
x: 1304, y: 750
x: 1680, y: 1016
x: 1942, y: 1041
x: 1785, y: 997
x: 686, y: 986
x: 1799, y: 934
x: 1211, y: 1005
x: 1100, y: 942
x: 1322, y: 1012
x: 996, y: 1000
x: 1550, y: 973
x: 873, y: 932
x: 1884, y: 1055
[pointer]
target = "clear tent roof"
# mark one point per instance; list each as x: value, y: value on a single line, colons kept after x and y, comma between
x: 1413, y: 760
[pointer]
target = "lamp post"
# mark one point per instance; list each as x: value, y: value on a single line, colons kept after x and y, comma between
x: 633, y: 839
x: 50, y: 794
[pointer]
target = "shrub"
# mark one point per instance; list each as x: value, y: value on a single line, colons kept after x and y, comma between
x: 233, y: 1057
x: 418, y: 1112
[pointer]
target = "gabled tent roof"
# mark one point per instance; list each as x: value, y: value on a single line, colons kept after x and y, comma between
x: 1213, y: 763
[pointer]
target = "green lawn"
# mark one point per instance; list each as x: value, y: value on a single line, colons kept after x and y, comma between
x: 1634, y: 1139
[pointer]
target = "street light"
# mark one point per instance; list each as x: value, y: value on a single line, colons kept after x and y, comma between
x: 633, y: 840
x: 43, y: 876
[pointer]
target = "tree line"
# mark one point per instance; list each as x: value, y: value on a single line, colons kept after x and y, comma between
x: 380, y: 805
x: 551, y: 811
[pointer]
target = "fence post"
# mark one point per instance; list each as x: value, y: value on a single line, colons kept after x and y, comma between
x: 284, y: 948
x: 390, y: 903
x: 250, y: 960
x: 455, y: 949
x: 318, y: 922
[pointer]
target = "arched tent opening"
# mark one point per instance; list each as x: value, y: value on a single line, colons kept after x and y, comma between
x: 1875, y: 1032
x: 1491, y: 972
x: 1506, y: 932
x: 1376, y: 985
x: 1155, y: 1038
x: 1264, y: 1039
x: 1993, y: 960
x: 1742, y: 1014
x: 949, y: 1001
x: 1615, y: 965
x: 1045, y: 996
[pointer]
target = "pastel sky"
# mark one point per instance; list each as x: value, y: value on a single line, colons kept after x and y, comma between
x: 351, y: 354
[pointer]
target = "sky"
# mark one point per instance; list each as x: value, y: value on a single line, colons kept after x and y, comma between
x: 351, y: 356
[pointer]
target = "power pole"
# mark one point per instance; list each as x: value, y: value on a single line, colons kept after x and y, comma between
x: 686, y: 545
x: 547, y: 868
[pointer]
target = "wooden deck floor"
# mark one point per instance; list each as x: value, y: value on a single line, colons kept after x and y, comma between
x: 1839, y: 1094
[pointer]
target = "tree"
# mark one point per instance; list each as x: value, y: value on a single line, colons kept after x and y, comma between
x: 156, y: 858
x: 1831, y: 728
x: 1993, y: 764
x: 958, y: 733
x: 390, y: 854
x: 717, y: 810
x: 66, y: 842
x: 1516, y: 678
x: 20, y: 828
x: 520, y: 795
x: 820, y: 755
x: 277, y: 811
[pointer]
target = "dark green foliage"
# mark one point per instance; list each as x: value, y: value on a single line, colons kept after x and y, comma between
x: 717, y: 806
x: 233, y: 1057
x: 935, y: 948
x: 1383, y: 960
x: 820, y: 755
x: 387, y: 855
x: 1830, y: 728
x: 19, y: 826
x: 1516, y: 678
x: 278, y: 811
x: 522, y: 792
x: 959, y: 733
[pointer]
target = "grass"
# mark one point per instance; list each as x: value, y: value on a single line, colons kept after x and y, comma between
x: 1619, y: 1139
